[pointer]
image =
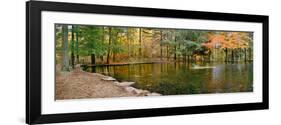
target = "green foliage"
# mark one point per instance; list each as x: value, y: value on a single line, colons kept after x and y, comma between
x: 91, y: 42
x: 123, y: 43
x: 117, y: 46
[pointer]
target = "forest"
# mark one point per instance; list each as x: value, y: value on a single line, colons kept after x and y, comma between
x: 114, y: 61
x: 110, y: 45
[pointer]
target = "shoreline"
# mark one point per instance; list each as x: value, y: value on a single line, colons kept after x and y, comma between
x: 79, y: 84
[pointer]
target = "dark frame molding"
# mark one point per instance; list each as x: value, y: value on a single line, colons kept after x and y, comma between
x: 33, y: 61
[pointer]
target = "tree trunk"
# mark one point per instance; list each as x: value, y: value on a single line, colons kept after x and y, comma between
x: 209, y: 55
x: 114, y: 57
x: 65, y: 61
x: 175, y: 49
x: 72, y: 47
x: 186, y: 55
x: 109, y: 46
x: 102, y: 40
x: 226, y: 59
x: 168, y: 53
x: 77, y: 44
x: 245, y: 54
x: 93, y: 62
x: 179, y: 57
x: 93, y: 59
x: 140, y: 40
x: 129, y: 43
x: 114, y: 43
x: 250, y: 54
x: 184, y: 58
x: 232, y: 56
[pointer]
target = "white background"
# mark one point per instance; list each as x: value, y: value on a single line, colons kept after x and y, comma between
x: 12, y: 90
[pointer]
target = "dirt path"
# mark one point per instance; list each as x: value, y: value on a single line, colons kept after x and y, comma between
x: 79, y: 84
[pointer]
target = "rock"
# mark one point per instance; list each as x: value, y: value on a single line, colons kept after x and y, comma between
x: 116, y: 82
x: 109, y: 79
x: 144, y: 92
x: 141, y: 92
x: 130, y: 89
x: 124, y: 83
x: 153, y: 94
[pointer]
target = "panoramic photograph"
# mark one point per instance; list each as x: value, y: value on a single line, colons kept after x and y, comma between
x: 114, y: 61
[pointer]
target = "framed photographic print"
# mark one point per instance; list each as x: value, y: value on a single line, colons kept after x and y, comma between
x: 94, y: 62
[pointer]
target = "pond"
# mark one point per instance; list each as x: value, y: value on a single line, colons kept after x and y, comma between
x: 182, y: 78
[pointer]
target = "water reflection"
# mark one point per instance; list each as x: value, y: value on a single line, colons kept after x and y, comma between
x: 181, y: 78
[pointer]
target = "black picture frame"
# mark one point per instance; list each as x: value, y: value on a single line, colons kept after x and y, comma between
x: 33, y: 61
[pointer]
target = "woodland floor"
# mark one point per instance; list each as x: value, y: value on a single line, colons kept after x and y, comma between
x: 79, y: 84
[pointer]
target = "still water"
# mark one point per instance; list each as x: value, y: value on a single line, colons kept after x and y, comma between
x: 182, y: 78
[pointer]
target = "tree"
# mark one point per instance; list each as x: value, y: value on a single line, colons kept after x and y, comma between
x: 191, y: 42
x: 72, y: 46
x: 230, y: 41
x: 124, y: 44
x: 161, y: 48
x: 65, y: 66
x: 109, y: 45
x: 77, y: 43
x: 116, y: 46
x: 91, y: 42
x: 140, y: 39
x: 129, y: 42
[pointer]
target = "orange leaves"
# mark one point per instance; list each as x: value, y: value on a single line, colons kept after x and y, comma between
x: 215, y: 41
x: 231, y: 40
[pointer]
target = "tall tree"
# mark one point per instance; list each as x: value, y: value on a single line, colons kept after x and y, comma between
x: 77, y: 44
x: 92, y: 45
x: 65, y: 66
x: 72, y: 46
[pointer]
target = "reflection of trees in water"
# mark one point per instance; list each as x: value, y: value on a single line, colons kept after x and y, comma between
x: 179, y: 78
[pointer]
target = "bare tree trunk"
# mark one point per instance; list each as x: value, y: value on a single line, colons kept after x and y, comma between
x: 65, y: 60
